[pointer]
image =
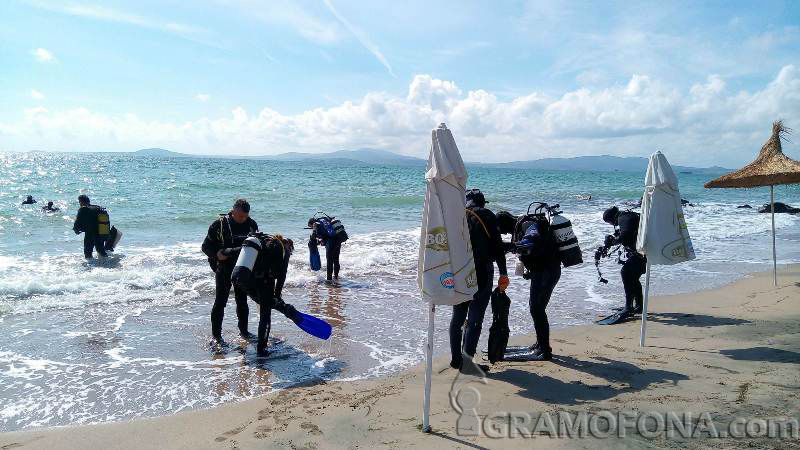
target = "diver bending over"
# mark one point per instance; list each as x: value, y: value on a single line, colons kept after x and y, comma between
x: 264, y: 281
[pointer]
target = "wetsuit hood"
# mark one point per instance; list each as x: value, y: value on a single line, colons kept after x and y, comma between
x: 610, y: 215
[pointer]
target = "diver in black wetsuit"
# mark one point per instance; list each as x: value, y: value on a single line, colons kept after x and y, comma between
x: 49, y: 207
x: 544, y: 270
x: 333, y: 247
x: 265, y: 284
x: 487, y: 249
x: 627, y: 224
x: 221, y: 246
x: 29, y: 200
x: 93, y: 221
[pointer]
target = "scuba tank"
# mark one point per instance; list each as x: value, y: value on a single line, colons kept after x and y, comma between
x: 103, y: 222
x: 568, y: 249
x: 247, y: 259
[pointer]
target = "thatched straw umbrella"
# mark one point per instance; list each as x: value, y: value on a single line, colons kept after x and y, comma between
x: 770, y: 168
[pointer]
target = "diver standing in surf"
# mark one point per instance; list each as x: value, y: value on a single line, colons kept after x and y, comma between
x: 487, y: 250
x: 94, y: 223
x: 627, y: 230
x: 330, y: 232
x: 221, y: 246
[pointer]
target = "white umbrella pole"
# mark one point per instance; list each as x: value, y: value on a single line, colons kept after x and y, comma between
x: 643, y: 331
x: 774, y: 259
x: 426, y: 405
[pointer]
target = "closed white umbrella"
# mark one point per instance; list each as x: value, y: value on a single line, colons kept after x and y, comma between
x: 446, y: 269
x: 663, y: 237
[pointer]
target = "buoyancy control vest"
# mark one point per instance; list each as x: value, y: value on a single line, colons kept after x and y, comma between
x: 226, y: 236
x: 262, y: 255
x: 628, y: 223
x: 534, y: 243
x: 541, y: 242
x: 331, y: 227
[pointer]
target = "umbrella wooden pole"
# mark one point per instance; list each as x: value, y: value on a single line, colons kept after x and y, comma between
x: 774, y: 257
x: 426, y: 404
x: 643, y: 331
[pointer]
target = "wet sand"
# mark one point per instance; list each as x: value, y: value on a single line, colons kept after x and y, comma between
x: 731, y: 352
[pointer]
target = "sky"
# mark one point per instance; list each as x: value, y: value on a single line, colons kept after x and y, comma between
x: 513, y: 80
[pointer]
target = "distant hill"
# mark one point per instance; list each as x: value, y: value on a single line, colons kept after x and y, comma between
x: 359, y: 156
x: 602, y: 163
x: 371, y: 156
x: 160, y: 153
x: 363, y: 155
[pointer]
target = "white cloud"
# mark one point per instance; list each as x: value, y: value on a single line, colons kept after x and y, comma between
x: 36, y: 95
x: 43, y: 55
x: 706, y: 124
x: 202, y: 97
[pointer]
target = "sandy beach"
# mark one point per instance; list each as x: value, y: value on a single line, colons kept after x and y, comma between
x: 729, y: 352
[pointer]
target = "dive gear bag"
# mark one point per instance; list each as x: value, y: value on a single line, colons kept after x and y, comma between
x: 498, y: 333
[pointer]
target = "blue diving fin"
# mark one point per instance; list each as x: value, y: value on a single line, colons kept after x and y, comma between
x: 313, y: 256
x: 313, y: 325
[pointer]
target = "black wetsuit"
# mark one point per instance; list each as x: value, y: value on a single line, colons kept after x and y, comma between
x: 545, y: 270
x: 333, y: 248
x: 226, y: 234
x: 86, y: 223
x: 265, y: 289
x: 636, y: 264
x: 487, y: 249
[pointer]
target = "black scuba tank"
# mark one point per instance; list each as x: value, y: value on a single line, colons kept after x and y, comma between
x: 568, y: 249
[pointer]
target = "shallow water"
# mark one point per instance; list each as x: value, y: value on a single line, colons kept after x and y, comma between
x: 128, y: 337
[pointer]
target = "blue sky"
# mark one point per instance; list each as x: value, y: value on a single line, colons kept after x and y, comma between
x: 514, y: 80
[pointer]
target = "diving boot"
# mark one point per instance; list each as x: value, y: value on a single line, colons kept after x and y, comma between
x: 542, y: 355
x: 469, y: 367
x: 248, y: 336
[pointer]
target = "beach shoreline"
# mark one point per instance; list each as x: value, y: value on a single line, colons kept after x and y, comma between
x: 724, y: 351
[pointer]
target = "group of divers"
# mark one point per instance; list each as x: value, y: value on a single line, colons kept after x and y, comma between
x: 255, y: 265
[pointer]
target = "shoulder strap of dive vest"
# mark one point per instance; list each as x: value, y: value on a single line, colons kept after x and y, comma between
x: 480, y: 221
x: 223, y: 222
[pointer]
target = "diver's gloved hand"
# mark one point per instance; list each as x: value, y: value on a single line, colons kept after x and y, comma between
x: 502, y: 282
x: 609, y: 241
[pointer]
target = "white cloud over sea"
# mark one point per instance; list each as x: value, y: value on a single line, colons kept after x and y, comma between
x: 708, y: 123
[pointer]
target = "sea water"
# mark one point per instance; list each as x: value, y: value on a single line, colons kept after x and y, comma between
x: 100, y: 340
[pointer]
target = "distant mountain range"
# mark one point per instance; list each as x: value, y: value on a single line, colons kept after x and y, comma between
x: 602, y: 163
x: 363, y: 155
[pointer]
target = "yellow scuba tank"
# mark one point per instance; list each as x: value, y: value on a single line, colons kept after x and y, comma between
x: 103, y: 222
